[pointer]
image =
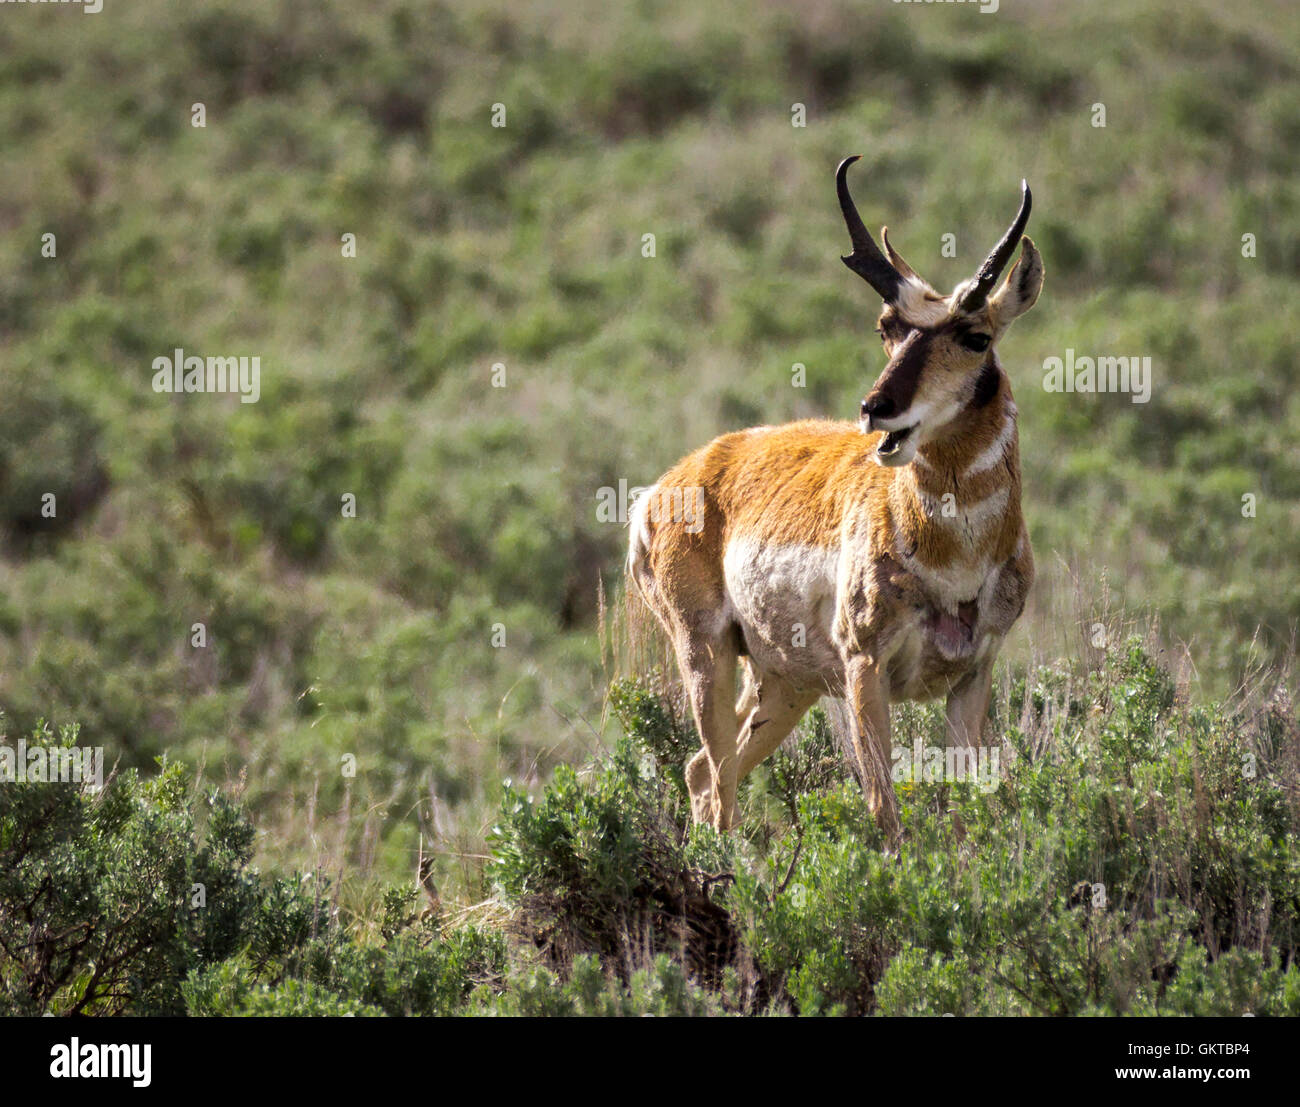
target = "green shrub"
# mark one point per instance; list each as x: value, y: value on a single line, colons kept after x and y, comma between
x: 123, y: 901
x: 1137, y: 856
x: 662, y: 989
x: 232, y: 988
x: 605, y: 863
x: 1145, y: 829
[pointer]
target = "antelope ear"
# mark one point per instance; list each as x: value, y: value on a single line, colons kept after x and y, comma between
x: 1020, y: 288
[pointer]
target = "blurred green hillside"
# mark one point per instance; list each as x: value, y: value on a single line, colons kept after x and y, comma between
x: 521, y: 246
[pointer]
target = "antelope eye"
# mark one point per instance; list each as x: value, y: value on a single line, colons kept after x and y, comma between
x: 977, y: 342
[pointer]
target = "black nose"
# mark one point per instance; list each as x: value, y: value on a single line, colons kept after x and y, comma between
x: 882, y: 407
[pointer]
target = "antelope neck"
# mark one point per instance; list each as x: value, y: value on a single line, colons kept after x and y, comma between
x: 960, y: 496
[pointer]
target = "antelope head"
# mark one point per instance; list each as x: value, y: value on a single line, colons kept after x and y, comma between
x: 940, y: 349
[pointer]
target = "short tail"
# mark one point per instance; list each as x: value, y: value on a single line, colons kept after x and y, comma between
x: 638, y: 542
x: 647, y: 648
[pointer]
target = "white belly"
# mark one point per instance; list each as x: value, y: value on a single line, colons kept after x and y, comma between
x: 783, y: 597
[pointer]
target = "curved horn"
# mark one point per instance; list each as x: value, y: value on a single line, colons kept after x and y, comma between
x: 866, y: 260
x: 895, y: 258
x: 975, y: 296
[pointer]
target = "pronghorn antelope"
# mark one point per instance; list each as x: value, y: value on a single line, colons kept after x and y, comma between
x: 876, y: 562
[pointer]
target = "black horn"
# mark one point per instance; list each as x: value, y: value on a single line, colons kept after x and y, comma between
x: 866, y: 260
x: 975, y: 296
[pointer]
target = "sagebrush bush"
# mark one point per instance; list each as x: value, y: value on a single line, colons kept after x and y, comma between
x: 662, y: 988
x: 606, y: 862
x: 140, y: 899
x: 1146, y: 837
x: 1137, y: 857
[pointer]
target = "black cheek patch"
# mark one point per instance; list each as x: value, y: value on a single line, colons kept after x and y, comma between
x: 905, y: 373
x: 986, y: 386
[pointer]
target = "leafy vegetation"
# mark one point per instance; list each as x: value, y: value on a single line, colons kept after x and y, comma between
x: 1139, y: 857
x: 118, y: 901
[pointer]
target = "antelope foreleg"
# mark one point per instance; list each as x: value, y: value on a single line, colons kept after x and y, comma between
x: 869, y: 700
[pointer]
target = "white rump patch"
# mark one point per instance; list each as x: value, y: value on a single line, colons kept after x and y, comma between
x: 638, y: 525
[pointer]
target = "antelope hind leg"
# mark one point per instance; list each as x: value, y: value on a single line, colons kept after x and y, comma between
x: 778, y: 708
x: 699, y: 776
x: 767, y: 711
x: 708, y: 667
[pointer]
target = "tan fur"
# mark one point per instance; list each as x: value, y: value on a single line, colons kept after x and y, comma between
x: 828, y: 569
